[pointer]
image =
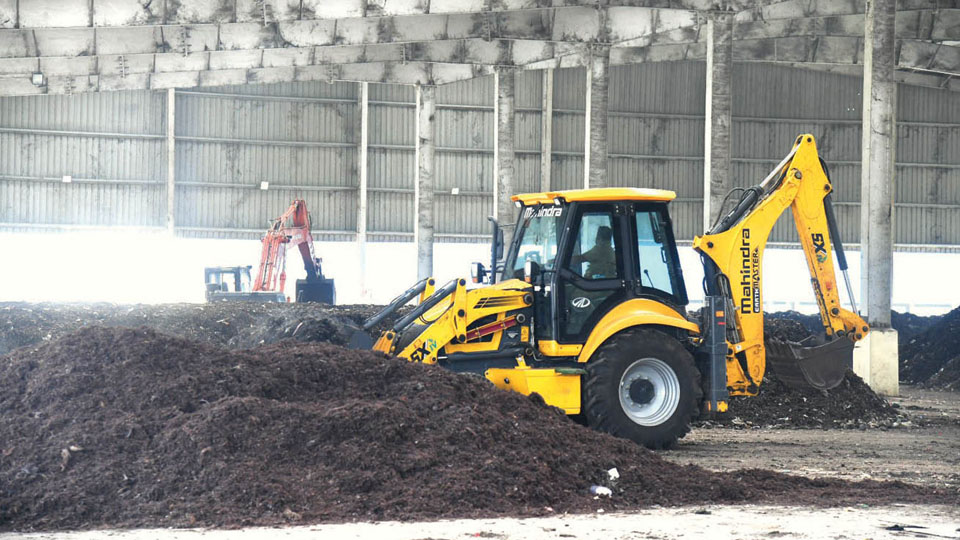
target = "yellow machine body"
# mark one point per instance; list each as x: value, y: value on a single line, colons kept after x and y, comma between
x: 738, y: 251
x: 459, y: 327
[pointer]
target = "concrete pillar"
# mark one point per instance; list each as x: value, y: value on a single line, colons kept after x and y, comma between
x: 546, y: 131
x: 876, y: 359
x: 171, y: 158
x: 424, y: 184
x: 504, y: 153
x: 595, y: 121
x: 364, y: 106
x: 717, y: 119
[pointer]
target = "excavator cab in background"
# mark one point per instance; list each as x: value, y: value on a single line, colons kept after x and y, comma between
x: 232, y: 284
x: 588, y: 308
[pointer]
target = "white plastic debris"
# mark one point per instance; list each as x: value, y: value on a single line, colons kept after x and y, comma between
x: 601, y: 491
x: 613, y: 474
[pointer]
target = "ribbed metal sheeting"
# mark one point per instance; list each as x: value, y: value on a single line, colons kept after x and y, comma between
x: 391, y: 162
x: 464, y: 172
x: 299, y: 138
x: 465, y: 126
x: 102, y: 141
x: 655, y: 132
x: 302, y: 139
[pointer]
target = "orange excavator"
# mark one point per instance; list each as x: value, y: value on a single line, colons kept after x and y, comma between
x: 290, y: 229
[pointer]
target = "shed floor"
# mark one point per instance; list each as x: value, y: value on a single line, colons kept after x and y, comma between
x: 707, y: 523
x: 927, y: 453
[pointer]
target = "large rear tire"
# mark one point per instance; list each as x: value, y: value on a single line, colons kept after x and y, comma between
x: 642, y: 385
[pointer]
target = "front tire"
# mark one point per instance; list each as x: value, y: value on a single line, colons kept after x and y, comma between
x: 642, y: 385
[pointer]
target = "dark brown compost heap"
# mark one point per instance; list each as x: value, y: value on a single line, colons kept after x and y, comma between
x: 236, y: 325
x: 932, y: 358
x: 907, y: 325
x: 122, y: 427
x: 852, y: 404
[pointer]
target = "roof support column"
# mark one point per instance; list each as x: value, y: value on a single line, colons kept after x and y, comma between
x: 171, y: 157
x: 717, y: 119
x: 363, y: 104
x: 595, y: 122
x: 876, y: 356
x: 424, y: 180
x: 504, y: 151
x: 546, y: 130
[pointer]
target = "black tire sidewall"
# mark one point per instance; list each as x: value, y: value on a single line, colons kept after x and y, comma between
x: 603, y: 409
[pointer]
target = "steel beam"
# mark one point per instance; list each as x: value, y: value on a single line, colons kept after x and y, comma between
x: 716, y: 140
x: 878, y: 154
x: 424, y: 180
x: 578, y: 24
x: 57, y: 13
x: 546, y: 131
x: 379, y: 72
x: 171, y: 159
x: 504, y: 147
x: 595, y: 118
x: 363, y: 102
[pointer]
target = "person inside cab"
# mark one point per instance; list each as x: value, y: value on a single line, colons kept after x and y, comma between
x: 601, y: 259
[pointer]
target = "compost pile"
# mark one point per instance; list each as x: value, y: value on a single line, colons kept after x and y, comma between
x: 852, y: 404
x: 929, y: 346
x: 932, y: 359
x: 228, y: 324
x: 130, y: 427
x: 907, y: 325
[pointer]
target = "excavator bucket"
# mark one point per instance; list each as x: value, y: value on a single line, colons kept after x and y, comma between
x: 820, y: 366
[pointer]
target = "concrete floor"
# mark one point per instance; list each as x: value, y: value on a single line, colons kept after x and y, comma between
x: 711, y: 522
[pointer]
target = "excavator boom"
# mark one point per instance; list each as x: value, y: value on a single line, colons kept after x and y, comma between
x: 733, y: 255
x: 292, y: 229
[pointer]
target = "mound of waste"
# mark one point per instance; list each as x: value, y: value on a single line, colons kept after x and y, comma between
x: 907, y: 325
x: 852, y: 404
x: 932, y: 358
x: 130, y: 427
x: 236, y: 325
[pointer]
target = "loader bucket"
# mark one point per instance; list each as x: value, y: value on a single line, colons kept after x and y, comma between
x: 360, y: 340
x: 820, y: 366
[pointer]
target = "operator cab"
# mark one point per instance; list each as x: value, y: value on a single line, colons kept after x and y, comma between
x: 588, y: 251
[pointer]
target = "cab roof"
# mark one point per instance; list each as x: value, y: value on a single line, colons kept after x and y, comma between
x: 596, y: 194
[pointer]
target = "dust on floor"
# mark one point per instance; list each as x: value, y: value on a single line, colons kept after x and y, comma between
x: 706, y: 523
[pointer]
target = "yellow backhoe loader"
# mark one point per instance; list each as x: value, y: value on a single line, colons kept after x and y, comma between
x: 588, y: 308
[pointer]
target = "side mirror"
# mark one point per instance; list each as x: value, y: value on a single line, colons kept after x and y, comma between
x: 531, y: 272
x: 498, y: 243
x: 478, y: 272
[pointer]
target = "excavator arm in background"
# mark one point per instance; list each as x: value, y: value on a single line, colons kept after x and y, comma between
x: 732, y: 252
x: 292, y: 229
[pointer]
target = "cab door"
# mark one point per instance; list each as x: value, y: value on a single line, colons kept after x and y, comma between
x: 590, y: 277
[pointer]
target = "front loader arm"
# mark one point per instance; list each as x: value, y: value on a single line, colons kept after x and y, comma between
x: 445, y: 318
x: 734, y: 252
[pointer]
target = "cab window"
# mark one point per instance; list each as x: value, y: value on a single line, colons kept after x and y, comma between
x: 594, y: 254
x: 540, y: 226
x: 655, y: 257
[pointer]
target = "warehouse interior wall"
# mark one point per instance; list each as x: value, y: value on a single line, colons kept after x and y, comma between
x: 86, y: 174
x: 242, y: 153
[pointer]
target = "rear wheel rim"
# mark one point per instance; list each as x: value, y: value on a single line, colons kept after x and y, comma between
x: 666, y: 392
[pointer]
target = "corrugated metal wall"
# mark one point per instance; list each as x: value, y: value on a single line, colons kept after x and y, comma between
x: 111, y: 145
x: 302, y: 138
x: 299, y: 138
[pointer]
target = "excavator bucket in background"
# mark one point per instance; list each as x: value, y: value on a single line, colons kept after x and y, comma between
x: 820, y: 366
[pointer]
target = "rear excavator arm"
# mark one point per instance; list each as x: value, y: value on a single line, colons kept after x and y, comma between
x: 271, y: 274
x: 732, y: 253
